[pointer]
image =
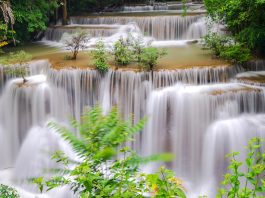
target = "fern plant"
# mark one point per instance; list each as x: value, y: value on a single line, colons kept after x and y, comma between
x: 107, y: 168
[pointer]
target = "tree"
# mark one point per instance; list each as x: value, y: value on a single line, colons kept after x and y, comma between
x: 108, y: 168
x: 65, y: 12
x: 5, y: 33
x: 32, y: 16
x: 17, y: 64
x: 245, y: 19
x: 75, y: 42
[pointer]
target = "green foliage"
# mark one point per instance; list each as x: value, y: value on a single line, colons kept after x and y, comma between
x: 100, y: 57
x: 225, y: 47
x: 243, y: 18
x: 250, y: 183
x: 123, y: 53
x: 16, y: 63
x: 149, y: 57
x: 8, y: 192
x: 165, y: 184
x: 132, y: 49
x: 5, y: 34
x: 31, y: 16
x: 236, y: 53
x: 107, y: 168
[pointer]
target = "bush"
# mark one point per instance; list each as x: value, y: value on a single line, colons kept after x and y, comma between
x: 236, y: 53
x: 244, y: 19
x: 8, y: 192
x: 225, y: 47
x: 107, y: 168
x: 149, y: 57
x: 123, y: 52
x: 100, y: 57
x: 250, y: 183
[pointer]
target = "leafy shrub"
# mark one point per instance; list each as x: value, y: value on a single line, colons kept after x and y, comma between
x: 17, y: 64
x: 107, y: 167
x: 123, y: 53
x: 236, y: 53
x: 244, y: 19
x: 75, y: 42
x: 149, y: 57
x: 8, y: 192
x: 245, y: 184
x: 225, y: 47
x: 100, y: 57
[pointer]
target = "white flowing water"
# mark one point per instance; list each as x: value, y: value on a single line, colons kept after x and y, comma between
x: 160, y: 27
x: 180, y: 121
x: 182, y: 117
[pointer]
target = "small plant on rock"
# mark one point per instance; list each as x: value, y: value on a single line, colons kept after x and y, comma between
x: 100, y: 57
x: 16, y: 64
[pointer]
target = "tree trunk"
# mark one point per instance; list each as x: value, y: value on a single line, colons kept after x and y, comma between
x: 65, y: 13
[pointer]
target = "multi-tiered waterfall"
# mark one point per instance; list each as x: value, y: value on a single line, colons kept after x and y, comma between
x: 197, y: 113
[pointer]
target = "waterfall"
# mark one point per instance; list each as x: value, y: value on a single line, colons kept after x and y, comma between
x: 182, y: 117
x: 145, y: 8
x: 34, y: 67
x: 23, y: 107
x: 222, y: 137
x: 56, y: 33
x: 160, y: 27
x: 179, y: 121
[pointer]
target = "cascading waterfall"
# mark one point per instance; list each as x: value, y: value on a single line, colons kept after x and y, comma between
x: 56, y: 33
x: 160, y: 27
x: 80, y: 88
x: 145, y: 8
x: 23, y: 107
x: 35, y: 67
x: 222, y: 137
x: 180, y: 116
x: 179, y: 120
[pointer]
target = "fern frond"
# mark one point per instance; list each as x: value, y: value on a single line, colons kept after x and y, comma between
x: 78, y: 145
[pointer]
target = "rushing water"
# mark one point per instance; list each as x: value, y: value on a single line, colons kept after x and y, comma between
x: 197, y: 113
x: 160, y: 27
